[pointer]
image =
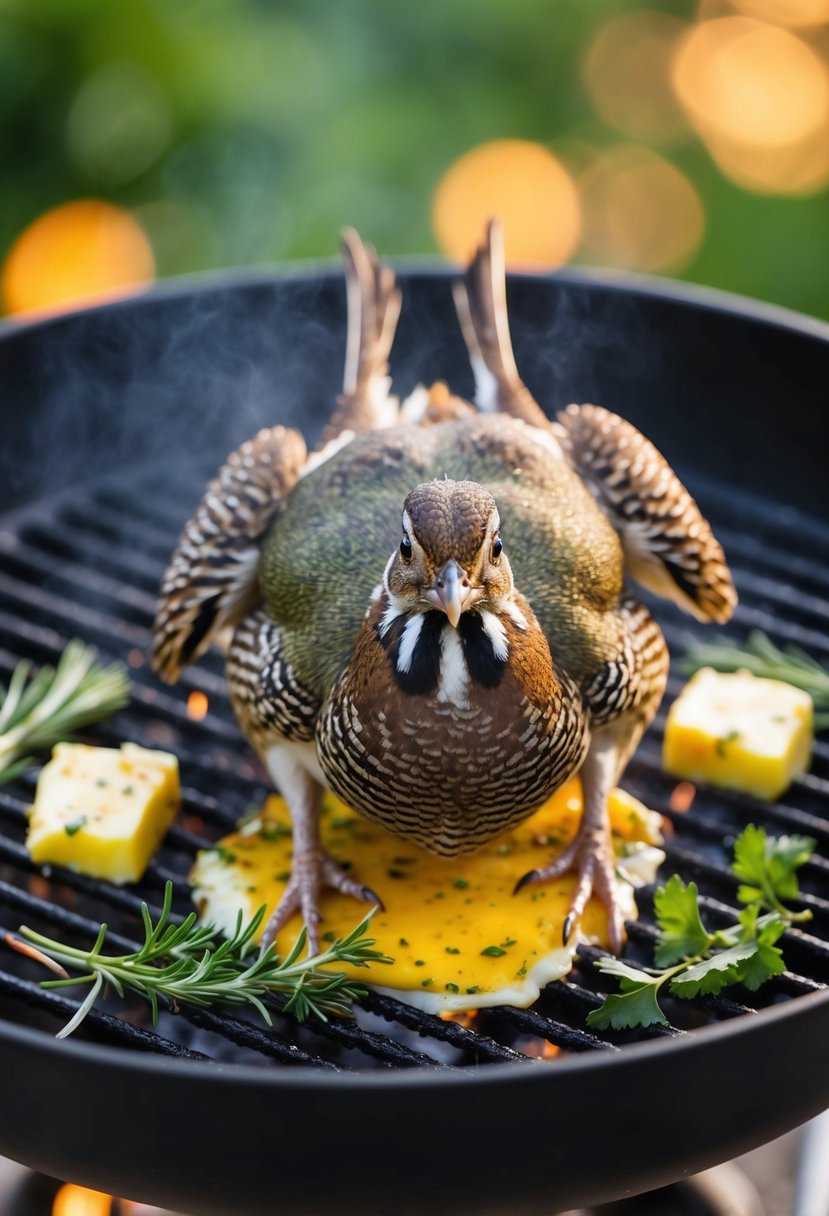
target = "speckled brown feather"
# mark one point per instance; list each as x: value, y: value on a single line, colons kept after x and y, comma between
x: 450, y: 776
x: 453, y: 515
x: 669, y: 546
x: 211, y: 579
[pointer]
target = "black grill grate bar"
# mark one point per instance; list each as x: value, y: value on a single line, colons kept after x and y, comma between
x: 377, y: 1046
x: 30, y: 561
x: 473, y: 1043
x: 128, y: 550
x: 107, y: 1028
x: 269, y: 1043
x: 530, y: 1022
x: 787, y: 981
x: 132, y: 565
x: 159, y: 541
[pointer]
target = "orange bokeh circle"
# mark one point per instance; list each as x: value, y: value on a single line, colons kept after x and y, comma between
x: 525, y: 186
x: 78, y: 253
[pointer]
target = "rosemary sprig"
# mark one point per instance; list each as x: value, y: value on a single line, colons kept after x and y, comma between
x: 761, y: 657
x: 190, y: 963
x: 39, y: 710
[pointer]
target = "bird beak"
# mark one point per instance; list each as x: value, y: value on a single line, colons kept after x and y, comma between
x: 451, y: 590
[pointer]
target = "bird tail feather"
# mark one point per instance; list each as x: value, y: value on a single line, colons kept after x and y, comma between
x: 481, y: 304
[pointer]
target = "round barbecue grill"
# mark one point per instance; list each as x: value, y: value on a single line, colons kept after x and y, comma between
x: 113, y: 419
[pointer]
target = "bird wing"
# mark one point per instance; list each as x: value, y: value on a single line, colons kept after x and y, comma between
x: 668, y: 544
x: 669, y: 547
x: 211, y: 580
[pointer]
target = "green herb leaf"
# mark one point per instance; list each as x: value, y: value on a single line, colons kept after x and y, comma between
x: 762, y: 658
x: 191, y: 963
x: 493, y: 951
x: 714, y: 973
x: 39, y: 710
x: 683, y: 934
x: 636, y: 1005
x: 695, y: 962
x: 767, y: 867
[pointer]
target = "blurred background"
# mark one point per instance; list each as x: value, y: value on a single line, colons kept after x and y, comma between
x: 161, y: 137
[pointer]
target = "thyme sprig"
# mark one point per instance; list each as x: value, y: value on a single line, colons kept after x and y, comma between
x: 39, y: 710
x: 189, y: 963
x: 761, y: 657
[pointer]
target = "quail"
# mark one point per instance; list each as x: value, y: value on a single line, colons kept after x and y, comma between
x: 431, y: 612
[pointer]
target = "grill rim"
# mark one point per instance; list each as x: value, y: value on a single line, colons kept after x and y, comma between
x: 745, y: 1043
x: 626, y: 283
x: 300, y: 1076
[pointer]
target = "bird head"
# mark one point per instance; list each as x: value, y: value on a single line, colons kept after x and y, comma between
x: 450, y: 555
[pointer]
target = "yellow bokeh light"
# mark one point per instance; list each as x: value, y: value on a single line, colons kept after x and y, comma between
x: 759, y: 98
x: 796, y: 14
x: 79, y: 253
x: 523, y: 184
x: 627, y: 75
x: 639, y: 211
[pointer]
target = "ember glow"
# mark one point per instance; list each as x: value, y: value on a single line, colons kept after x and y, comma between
x: 197, y: 705
x: 74, y: 1200
x: 682, y: 796
x: 541, y: 1049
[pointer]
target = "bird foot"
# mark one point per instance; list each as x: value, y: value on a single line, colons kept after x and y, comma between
x: 591, y: 856
x: 312, y: 872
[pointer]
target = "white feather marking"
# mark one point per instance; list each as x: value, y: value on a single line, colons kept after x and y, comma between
x: 515, y: 614
x: 454, y: 674
x: 408, y: 641
x: 415, y: 405
x: 486, y: 386
x: 331, y: 448
x: 497, y: 634
x: 390, y: 615
x: 383, y: 403
x: 395, y: 607
x: 547, y: 440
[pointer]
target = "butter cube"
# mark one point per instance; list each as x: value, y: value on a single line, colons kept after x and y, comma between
x: 103, y: 811
x: 739, y: 731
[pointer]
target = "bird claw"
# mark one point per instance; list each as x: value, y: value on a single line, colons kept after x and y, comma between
x: 312, y: 872
x: 592, y: 858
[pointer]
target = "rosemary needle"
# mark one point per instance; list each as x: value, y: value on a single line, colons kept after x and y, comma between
x: 39, y: 710
x: 761, y: 657
x: 190, y: 963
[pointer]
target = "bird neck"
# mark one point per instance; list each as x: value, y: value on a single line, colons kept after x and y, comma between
x: 430, y: 656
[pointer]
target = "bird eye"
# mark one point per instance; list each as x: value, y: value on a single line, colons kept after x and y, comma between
x: 406, y: 549
x: 497, y: 546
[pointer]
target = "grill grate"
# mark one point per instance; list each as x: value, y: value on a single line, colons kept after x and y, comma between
x: 88, y: 564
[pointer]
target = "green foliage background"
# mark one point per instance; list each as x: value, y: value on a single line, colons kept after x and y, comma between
x: 251, y: 131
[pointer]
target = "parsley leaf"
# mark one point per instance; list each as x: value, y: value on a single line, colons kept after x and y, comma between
x: 693, y: 962
x: 636, y: 1005
x: 714, y: 973
x: 683, y: 934
x: 767, y: 866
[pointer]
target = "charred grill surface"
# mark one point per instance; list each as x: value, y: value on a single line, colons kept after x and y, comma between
x: 87, y: 564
